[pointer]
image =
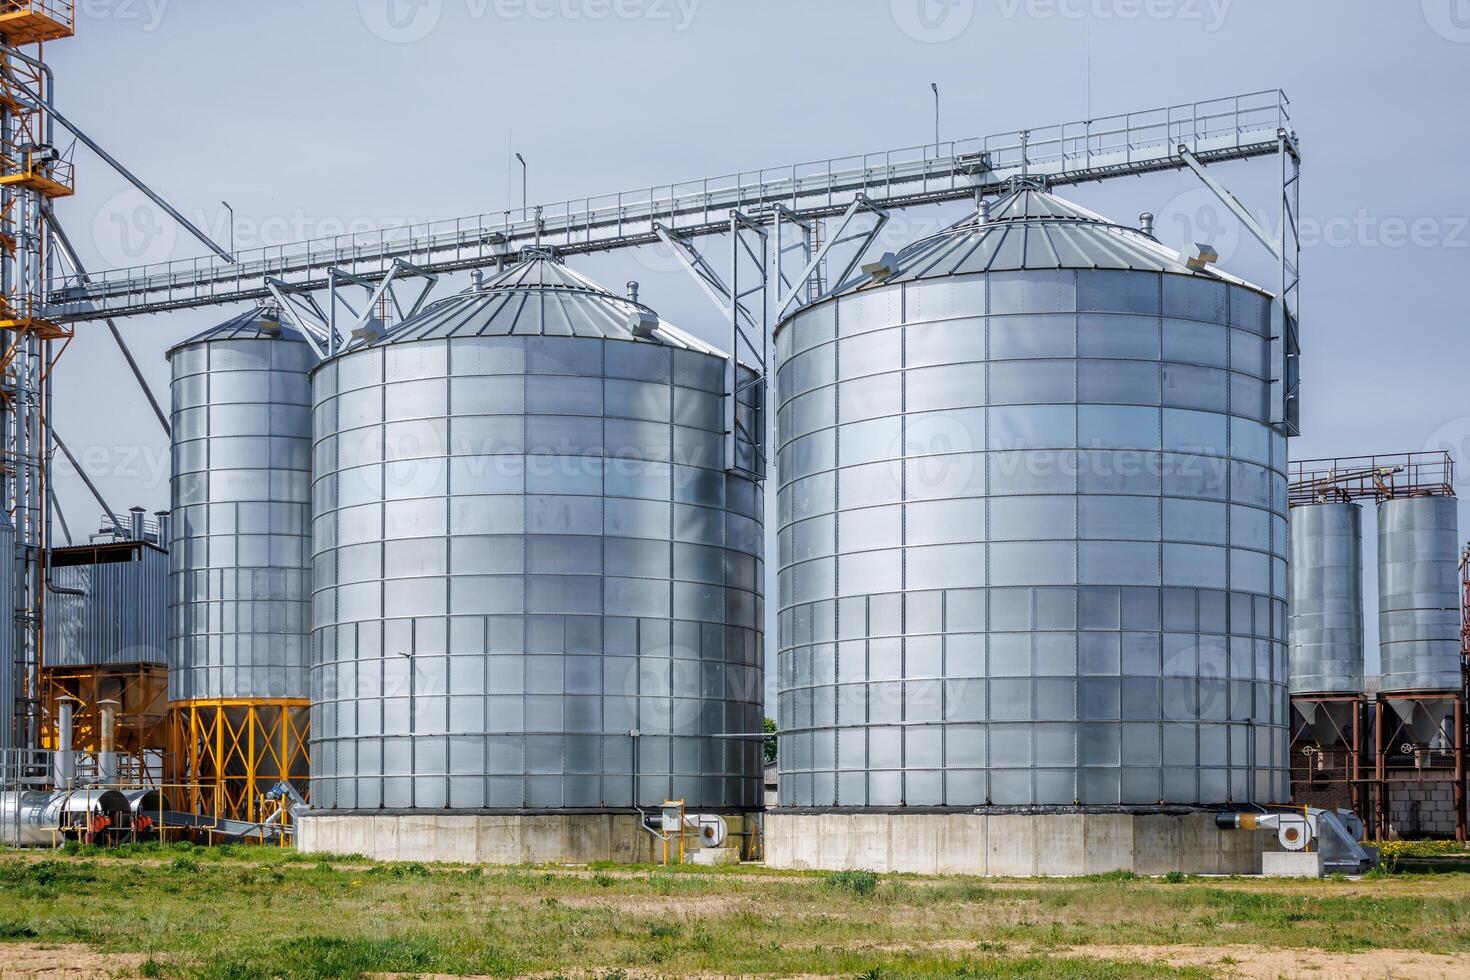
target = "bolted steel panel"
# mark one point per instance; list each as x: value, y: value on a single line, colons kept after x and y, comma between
x: 1419, y: 594
x: 526, y: 549
x: 1326, y: 601
x: 239, y: 550
x: 1032, y: 528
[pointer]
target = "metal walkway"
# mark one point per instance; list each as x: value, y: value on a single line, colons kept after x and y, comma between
x: 1234, y: 128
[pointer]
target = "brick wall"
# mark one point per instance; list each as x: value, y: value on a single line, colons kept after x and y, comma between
x: 1422, y: 810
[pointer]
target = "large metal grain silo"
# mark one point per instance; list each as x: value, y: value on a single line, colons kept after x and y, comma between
x: 1326, y: 616
x: 1419, y: 609
x: 537, y: 589
x: 239, y: 564
x: 1033, y: 556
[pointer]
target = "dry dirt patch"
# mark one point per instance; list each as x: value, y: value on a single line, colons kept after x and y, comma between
x: 1257, y: 963
x: 44, y: 961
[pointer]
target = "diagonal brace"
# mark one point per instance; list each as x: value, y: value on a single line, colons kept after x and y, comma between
x: 704, y: 275
x: 1236, y: 208
x: 859, y: 204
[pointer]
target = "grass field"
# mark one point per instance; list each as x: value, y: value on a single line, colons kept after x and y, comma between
x: 248, y: 913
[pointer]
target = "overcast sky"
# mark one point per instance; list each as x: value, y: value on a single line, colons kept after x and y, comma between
x: 312, y: 118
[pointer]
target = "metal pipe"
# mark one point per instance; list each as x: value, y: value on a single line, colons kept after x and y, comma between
x: 107, y: 740
x: 61, y: 238
x: 135, y: 523
x: 232, y: 226
x: 162, y: 519
x: 1459, y: 791
x: 60, y: 514
x: 112, y: 161
x: 1380, y: 785
x: 65, y: 770
x: 96, y: 494
x: 935, y: 87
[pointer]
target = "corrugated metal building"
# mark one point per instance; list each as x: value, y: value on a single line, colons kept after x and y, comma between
x: 122, y: 617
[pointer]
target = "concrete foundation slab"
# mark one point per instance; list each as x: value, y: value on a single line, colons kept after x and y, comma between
x: 1292, y: 864
x: 483, y: 838
x: 1066, y: 843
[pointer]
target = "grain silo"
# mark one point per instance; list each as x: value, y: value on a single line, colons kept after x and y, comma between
x: 1419, y: 611
x: 1326, y: 617
x: 239, y: 567
x: 537, y: 589
x: 1033, y: 556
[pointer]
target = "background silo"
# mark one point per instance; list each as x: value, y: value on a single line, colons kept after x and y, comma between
x: 1033, y: 553
x: 1419, y: 609
x: 537, y: 590
x: 238, y: 581
x: 1326, y: 616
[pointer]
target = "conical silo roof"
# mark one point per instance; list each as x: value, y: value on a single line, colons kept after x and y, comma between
x: 261, y: 323
x: 1031, y: 228
x: 539, y: 296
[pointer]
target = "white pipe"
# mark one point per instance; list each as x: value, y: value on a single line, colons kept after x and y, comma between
x: 66, y: 762
x: 107, y: 742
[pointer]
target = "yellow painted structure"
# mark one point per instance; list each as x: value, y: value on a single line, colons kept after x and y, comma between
x: 228, y: 753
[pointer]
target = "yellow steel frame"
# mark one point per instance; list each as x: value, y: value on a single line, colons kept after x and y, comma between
x: 26, y: 22
x: 34, y: 21
x: 229, y: 752
x: 27, y: 353
x: 141, y: 690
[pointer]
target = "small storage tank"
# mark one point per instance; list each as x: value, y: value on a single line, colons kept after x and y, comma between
x: 1326, y: 614
x: 1419, y: 608
x: 537, y: 590
x: 1033, y: 541
x: 239, y: 567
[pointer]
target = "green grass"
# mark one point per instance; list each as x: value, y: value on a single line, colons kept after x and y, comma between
x: 248, y: 912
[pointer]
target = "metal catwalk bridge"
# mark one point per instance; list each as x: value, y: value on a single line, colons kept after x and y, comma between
x: 1234, y: 128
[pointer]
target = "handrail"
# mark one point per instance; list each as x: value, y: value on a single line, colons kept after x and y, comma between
x: 1110, y: 145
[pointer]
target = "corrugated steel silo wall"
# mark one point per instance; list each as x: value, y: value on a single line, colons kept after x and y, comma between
x: 122, y: 618
x: 525, y: 549
x: 1033, y: 544
x: 238, y: 585
x: 1419, y: 594
x: 1326, y: 601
